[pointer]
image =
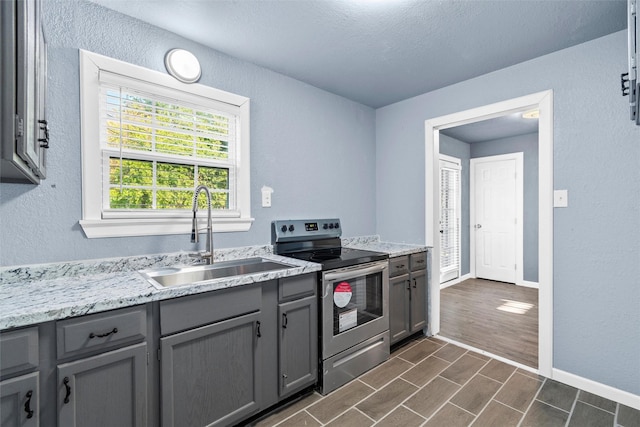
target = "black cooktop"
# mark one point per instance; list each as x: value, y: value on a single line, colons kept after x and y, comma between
x: 332, y: 258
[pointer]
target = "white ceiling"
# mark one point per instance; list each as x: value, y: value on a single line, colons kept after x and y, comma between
x: 378, y: 52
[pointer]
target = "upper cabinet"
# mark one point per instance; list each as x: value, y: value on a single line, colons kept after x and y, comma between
x: 24, y: 130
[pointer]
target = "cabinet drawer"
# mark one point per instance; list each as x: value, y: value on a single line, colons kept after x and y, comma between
x: 418, y: 261
x: 398, y: 265
x: 297, y: 287
x: 100, y: 331
x: 18, y: 351
x: 192, y: 311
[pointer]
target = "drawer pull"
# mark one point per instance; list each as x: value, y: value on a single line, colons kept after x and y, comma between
x: 106, y: 334
x: 400, y: 266
x: 27, y: 405
x: 65, y: 381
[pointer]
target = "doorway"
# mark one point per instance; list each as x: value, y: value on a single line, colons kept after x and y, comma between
x: 543, y: 102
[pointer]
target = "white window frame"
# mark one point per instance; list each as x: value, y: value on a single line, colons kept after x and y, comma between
x: 94, y: 221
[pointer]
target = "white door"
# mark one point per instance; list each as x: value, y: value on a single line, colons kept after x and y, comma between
x: 450, y: 206
x: 495, y: 217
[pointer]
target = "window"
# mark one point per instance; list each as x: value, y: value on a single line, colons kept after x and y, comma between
x: 148, y: 141
x: 450, y: 202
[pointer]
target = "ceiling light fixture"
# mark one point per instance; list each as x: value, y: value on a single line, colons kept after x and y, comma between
x: 183, y: 65
x: 532, y: 114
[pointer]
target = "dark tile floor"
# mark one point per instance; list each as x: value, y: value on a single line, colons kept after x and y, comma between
x: 428, y: 382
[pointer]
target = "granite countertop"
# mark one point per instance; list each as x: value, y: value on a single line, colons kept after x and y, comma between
x: 39, y: 293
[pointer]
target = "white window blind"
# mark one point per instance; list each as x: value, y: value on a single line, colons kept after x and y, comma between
x: 450, y: 199
x: 156, y: 149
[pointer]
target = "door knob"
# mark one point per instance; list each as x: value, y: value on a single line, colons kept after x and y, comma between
x: 477, y: 226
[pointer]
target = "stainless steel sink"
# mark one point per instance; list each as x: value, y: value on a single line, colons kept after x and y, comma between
x: 167, y: 277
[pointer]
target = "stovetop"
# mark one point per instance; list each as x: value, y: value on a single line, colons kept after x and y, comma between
x: 318, y: 240
x: 338, y: 257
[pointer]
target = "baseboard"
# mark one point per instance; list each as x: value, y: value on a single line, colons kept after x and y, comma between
x: 528, y: 284
x: 455, y: 281
x: 608, y: 392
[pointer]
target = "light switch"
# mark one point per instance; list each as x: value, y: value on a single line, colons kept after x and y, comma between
x: 560, y: 199
x: 266, y: 196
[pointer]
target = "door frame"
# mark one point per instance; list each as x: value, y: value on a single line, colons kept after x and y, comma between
x: 519, y: 245
x: 543, y: 101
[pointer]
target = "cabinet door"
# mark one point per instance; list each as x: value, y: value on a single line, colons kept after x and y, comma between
x: 19, y: 403
x: 109, y: 389
x: 298, y: 344
x: 211, y: 376
x: 27, y: 145
x: 418, y: 300
x: 398, y: 308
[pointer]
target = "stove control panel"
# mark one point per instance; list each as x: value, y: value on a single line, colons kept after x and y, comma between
x: 304, y: 229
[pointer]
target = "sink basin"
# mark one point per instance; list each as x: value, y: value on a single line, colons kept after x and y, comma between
x: 167, y: 277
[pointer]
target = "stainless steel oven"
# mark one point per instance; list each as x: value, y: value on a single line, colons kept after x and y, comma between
x: 353, y: 298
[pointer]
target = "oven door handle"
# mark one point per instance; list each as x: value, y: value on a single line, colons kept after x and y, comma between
x: 356, y: 271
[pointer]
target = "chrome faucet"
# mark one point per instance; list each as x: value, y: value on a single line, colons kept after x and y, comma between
x: 208, y: 255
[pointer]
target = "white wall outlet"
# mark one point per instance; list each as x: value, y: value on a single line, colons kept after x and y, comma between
x: 266, y: 196
x: 560, y: 199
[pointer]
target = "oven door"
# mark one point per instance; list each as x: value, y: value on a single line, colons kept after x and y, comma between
x: 354, y: 305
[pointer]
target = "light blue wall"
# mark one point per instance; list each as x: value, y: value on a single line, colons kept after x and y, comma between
x: 596, y: 277
x: 298, y: 134
x: 528, y: 145
x: 461, y: 150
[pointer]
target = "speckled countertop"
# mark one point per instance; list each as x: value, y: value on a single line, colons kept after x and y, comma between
x: 40, y: 293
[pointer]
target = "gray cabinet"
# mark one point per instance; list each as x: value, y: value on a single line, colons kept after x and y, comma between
x: 25, y: 134
x: 19, y: 388
x: 19, y: 401
x: 211, y: 369
x: 407, y: 295
x: 109, y: 389
x: 298, y: 344
x: 102, y: 369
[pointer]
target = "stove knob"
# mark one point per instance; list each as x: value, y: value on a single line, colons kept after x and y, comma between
x: 331, y: 226
x: 283, y: 228
x: 325, y: 226
x: 291, y: 227
x: 337, y: 225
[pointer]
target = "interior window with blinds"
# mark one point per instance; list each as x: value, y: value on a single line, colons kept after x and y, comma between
x: 450, y: 201
x: 157, y: 150
x: 148, y: 140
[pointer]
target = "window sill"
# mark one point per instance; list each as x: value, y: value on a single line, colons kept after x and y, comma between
x: 156, y: 227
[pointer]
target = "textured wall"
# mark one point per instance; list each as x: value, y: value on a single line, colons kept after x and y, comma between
x: 596, y: 263
x: 298, y: 134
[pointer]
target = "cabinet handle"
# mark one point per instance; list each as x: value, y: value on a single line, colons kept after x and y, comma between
x: 258, y: 333
x: 408, y: 285
x: 415, y: 283
x: 27, y: 405
x: 65, y: 381
x: 44, y: 142
x: 106, y: 334
x: 285, y: 321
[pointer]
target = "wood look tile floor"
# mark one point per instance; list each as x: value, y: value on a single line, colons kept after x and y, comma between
x: 428, y: 382
x: 496, y: 317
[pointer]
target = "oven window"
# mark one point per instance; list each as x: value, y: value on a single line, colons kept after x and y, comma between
x: 356, y: 301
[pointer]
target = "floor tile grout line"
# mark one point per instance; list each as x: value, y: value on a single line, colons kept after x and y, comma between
x: 575, y: 401
x: 535, y: 397
x: 597, y: 407
x: 615, y: 416
x: 363, y: 413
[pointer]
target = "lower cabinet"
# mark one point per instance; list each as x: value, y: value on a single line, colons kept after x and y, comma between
x: 211, y: 374
x: 298, y: 345
x: 109, y: 389
x: 19, y: 401
x: 407, y: 295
